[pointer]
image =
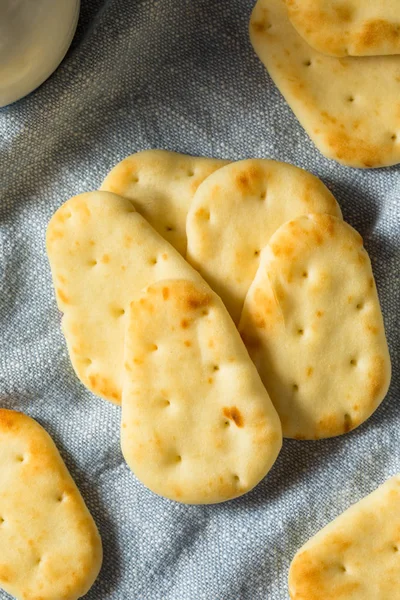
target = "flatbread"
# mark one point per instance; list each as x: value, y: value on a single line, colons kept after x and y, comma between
x: 348, y: 27
x: 348, y: 106
x: 50, y: 548
x: 197, y: 424
x: 102, y: 253
x: 235, y: 212
x: 357, y: 556
x: 161, y: 185
x: 313, y: 326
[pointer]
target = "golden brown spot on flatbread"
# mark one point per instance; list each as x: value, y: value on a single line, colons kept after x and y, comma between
x: 62, y: 296
x: 319, y: 313
x: 248, y: 181
x: 138, y: 361
x: 327, y: 118
x: 354, y: 150
x: 361, y: 258
x: 187, y: 343
x: 105, y: 259
x: 243, y: 181
x: 259, y: 321
x: 347, y: 426
x: 339, y: 541
x: 318, y: 238
x: 258, y: 26
x: 376, y: 377
x: 263, y: 23
x: 280, y: 293
x: 185, y: 323
x: 128, y: 241
x: 344, y: 12
x: 56, y: 234
x: 83, y: 210
x: 63, y: 215
x: 329, y: 426
x: 313, y: 578
x: 177, y: 492
x: 202, y: 213
x: 104, y: 387
x: 234, y: 415
x: 210, y: 380
x: 5, y: 574
x: 164, y: 256
x: 372, y: 328
x: 264, y: 303
x: 328, y: 225
x: 309, y: 371
x: 196, y: 299
x: 286, y: 250
x: 8, y: 419
x: 376, y: 33
x: 165, y: 293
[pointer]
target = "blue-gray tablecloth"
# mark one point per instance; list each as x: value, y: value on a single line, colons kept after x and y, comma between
x: 181, y: 75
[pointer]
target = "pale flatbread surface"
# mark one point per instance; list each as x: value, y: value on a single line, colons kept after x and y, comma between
x: 197, y: 423
x: 50, y: 548
x: 348, y: 27
x: 313, y: 326
x: 161, y: 185
x: 350, y: 107
x: 357, y: 556
x: 102, y: 253
x: 235, y: 212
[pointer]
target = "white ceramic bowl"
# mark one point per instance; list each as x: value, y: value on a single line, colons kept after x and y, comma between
x: 34, y: 38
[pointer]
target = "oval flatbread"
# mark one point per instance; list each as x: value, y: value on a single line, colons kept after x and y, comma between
x: 357, y: 556
x: 50, y: 548
x: 348, y: 106
x: 161, y: 185
x: 313, y: 326
x: 235, y: 212
x: 197, y: 423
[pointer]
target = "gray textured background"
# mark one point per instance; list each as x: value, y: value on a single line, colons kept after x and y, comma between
x: 181, y: 75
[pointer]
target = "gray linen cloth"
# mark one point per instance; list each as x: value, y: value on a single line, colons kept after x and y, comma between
x: 180, y: 75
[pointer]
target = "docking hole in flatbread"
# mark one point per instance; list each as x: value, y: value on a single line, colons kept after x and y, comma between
x: 102, y: 253
x: 357, y: 556
x: 348, y: 27
x: 50, y: 548
x: 350, y: 107
x: 313, y: 326
x: 197, y: 424
x: 161, y: 185
x: 235, y: 212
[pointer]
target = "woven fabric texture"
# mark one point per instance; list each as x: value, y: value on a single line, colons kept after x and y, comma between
x: 179, y: 75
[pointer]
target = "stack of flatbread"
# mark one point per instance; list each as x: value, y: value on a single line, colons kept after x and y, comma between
x: 338, y: 66
x: 222, y: 304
